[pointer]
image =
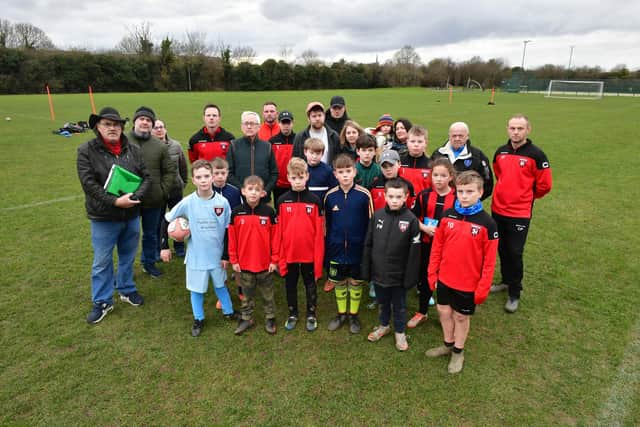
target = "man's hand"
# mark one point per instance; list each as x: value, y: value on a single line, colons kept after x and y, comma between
x: 125, y: 201
x: 236, y: 268
x: 165, y: 255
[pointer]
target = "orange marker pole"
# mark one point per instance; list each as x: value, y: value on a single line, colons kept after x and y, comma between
x: 93, y: 105
x: 450, y: 94
x: 53, y: 114
x: 493, y: 94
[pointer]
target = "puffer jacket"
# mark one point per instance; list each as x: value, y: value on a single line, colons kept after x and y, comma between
x: 94, y: 163
x: 160, y: 167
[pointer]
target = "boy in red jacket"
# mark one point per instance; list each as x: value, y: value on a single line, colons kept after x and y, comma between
x: 463, y: 257
x: 252, y: 252
x: 300, y: 236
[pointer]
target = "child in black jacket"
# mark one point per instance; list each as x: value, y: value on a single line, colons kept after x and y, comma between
x: 391, y: 260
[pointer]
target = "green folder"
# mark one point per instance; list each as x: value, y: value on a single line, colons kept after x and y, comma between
x: 120, y: 181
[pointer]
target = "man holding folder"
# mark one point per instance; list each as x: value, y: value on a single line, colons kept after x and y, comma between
x: 115, y: 218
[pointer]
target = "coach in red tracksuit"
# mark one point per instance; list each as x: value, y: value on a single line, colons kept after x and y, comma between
x: 212, y: 140
x: 522, y: 174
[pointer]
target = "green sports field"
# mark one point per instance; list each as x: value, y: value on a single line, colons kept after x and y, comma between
x: 569, y: 356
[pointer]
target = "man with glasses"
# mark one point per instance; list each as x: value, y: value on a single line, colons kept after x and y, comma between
x: 249, y: 155
x: 115, y: 220
x: 212, y: 140
x: 337, y: 114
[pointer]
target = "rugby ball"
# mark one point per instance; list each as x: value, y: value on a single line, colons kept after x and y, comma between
x: 178, y: 229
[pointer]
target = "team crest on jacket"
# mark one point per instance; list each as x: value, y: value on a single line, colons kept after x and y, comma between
x: 380, y: 224
x: 309, y: 209
x: 425, y: 173
x: 218, y: 210
x: 224, y: 145
x: 475, y: 230
x: 403, y: 226
x: 523, y: 162
x: 263, y: 220
x: 467, y: 163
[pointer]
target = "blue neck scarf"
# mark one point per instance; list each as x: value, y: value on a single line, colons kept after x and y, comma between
x: 457, y: 152
x: 471, y: 210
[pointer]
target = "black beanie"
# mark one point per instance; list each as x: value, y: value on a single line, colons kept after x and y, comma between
x: 145, y: 112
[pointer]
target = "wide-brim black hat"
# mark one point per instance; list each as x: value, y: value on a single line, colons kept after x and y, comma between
x: 106, y: 113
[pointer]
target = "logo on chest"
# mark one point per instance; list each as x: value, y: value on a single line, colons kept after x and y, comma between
x: 475, y: 230
x: 523, y: 162
x: 403, y: 226
x: 263, y: 220
x: 309, y: 209
x: 218, y: 210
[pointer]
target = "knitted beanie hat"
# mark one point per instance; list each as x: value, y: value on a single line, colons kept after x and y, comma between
x: 144, y: 112
x: 385, y: 120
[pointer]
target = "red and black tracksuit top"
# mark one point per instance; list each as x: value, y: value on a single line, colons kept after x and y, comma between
x: 252, y: 236
x: 463, y: 253
x: 377, y: 192
x: 266, y: 131
x: 429, y: 204
x: 300, y: 233
x: 207, y: 146
x: 416, y: 170
x: 283, y: 150
x: 522, y: 176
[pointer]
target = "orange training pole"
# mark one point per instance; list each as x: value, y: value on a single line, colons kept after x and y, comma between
x: 493, y: 95
x: 93, y: 105
x: 53, y: 114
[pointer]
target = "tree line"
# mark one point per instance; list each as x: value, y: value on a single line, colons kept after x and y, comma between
x: 29, y: 61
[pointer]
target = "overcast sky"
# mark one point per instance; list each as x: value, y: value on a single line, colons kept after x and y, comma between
x: 361, y: 30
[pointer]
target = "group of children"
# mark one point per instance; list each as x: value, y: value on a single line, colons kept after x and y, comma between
x: 396, y: 224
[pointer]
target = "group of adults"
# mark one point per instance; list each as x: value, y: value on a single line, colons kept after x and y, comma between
x: 264, y: 149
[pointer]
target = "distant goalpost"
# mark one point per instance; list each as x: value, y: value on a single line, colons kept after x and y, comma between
x: 575, y: 89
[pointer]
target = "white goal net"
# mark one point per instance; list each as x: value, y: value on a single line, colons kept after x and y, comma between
x: 575, y: 89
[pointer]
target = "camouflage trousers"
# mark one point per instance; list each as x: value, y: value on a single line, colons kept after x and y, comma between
x: 264, y: 284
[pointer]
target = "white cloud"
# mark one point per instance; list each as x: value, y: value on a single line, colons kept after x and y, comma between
x: 359, y: 30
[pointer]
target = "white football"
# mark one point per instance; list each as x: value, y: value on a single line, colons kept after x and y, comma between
x: 178, y: 229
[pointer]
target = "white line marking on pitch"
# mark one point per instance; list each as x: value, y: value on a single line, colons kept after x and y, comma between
x: 44, y: 202
x: 625, y: 386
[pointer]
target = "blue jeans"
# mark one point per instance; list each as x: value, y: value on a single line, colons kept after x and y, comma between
x: 151, y: 218
x: 393, y: 298
x: 105, y: 236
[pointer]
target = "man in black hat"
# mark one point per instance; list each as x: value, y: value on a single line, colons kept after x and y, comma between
x: 282, y: 145
x: 163, y: 180
x: 114, y: 219
x: 337, y: 114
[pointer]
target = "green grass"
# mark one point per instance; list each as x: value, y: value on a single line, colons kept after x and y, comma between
x: 569, y: 356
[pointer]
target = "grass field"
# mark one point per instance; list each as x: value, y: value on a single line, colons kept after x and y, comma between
x: 569, y: 356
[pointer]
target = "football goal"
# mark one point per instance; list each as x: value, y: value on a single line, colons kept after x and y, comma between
x: 574, y: 89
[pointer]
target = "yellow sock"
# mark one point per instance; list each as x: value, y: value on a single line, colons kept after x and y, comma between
x: 341, y: 297
x: 355, y: 293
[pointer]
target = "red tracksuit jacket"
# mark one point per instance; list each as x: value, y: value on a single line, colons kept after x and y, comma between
x: 429, y: 204
x: 522, y: 176
x: 252, y: 237
x: 463, y: 253
x: 416, y: 170
x: 300, y: 233
x: 207, y: 146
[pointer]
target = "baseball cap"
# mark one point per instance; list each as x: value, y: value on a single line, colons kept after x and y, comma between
x: 314, y: 104
x: 337, y: 100
x: 389, y: 156
x: 285, y: 116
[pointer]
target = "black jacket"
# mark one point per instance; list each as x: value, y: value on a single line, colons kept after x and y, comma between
x: 257, y: 158
x: 391, y: 255
x: 471, y: 158
x: 336, y: 124
x: 332, y: 136
x: 94, y: 164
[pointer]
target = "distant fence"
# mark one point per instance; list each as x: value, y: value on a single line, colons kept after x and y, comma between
x: 526, y: 83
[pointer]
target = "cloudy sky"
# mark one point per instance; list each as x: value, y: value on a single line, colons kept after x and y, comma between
x: 361, y: 30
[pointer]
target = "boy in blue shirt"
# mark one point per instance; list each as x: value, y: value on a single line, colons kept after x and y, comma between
x: 348, y: 208
x: 209, y: 214
x: 321, y: 177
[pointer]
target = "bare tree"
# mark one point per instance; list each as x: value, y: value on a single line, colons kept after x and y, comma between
x: 195, y: 44
x: 310, y: 57
x: 286, y: 52
x: 137, y: 40
x: 407, y: 56
x: 243, y: 54
x: 221, y: 49
x: 28, y: 36
x: 6, y: 33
